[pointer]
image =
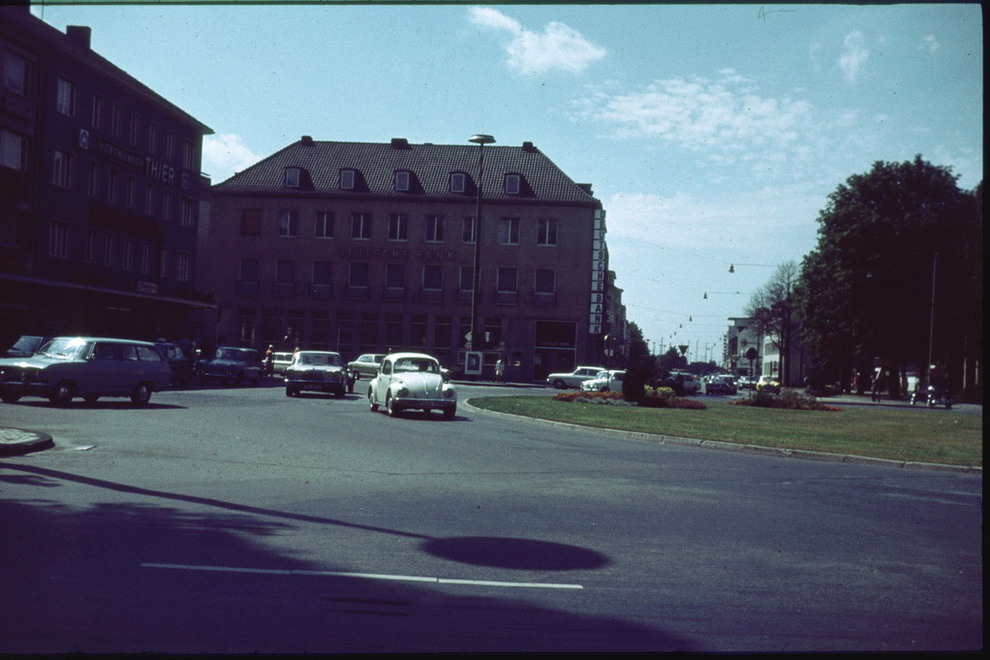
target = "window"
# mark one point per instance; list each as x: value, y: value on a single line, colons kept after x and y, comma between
x: 130, y: 195
x: 89, y: 248
x: 65, y: 97
x: 288, y: 224
x: 186, y: 212
x: 12, y: 150
x: 513, y: 183
x: 546, y: 280
x: 417, y: 331
x: 458, y: 182
x: 189, y: 156
x: 292, y: 177
x: 393, y: 330
x: 145, y: 258
x: 149, y: 199
x: 324, y: 224
x: 126, y: 254
x: 58, y: 240
x: 108, y: 250
x: 93, y: 186
x: 97, y: 119
x: 361, y: 226
x: 169, y: 145
x: 251, y: 222
x: 322, y: 273
x: 249, y: 270
x: 62, y: 172
x: 398, y: 227
x: 152, y: 137
x: 434, y: 228
x: 357, y: 280
x: 112, y: 183
x: 135, y: 129
x: 468, y: 230
x: 347, y: 179
x: 546, y: 231
x: 467, y: 278
x: 402, y: 180
x: 163, y: 263
x: 508, y: 231
x: 395, y: 276
x: 183, y: 267
x: 285, y: 271
x: 443, y: 328
x: 433, y: 276
x: 116, y: 120
x: 16, y: 74
x: 167, y: 205
x: 506, y: 279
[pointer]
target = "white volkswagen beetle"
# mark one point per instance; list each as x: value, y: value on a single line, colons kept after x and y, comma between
x: 411, y: 381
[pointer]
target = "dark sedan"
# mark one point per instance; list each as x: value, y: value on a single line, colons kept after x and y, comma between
x: 232, y: 365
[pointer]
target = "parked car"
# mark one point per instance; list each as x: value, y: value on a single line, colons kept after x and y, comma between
x: 562, y: 381
x: 745, y: 383
x: 682, y: 382
x: 720, y: 385
x: 411, y: 381
x: 280, y: 362
x: 605, y: 381
x: 768, y: 384
x: 25, y: 346
x: 232, y: 364
x: 183, y: 366
x: 321, y: 371
x: 90, y: 367
x: 366, y: 366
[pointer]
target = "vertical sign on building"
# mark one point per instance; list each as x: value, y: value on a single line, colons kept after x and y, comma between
x: 598, y: 266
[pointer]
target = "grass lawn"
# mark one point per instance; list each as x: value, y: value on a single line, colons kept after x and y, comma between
x: 931, y: 436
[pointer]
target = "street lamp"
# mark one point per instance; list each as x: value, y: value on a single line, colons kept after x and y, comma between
x: 481, y: 140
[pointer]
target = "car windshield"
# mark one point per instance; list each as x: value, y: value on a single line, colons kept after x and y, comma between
x: 417, y: 364
x: 320, y: 359
x: 69, y: 348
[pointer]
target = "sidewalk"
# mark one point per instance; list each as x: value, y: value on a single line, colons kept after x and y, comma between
x: 15, y: 442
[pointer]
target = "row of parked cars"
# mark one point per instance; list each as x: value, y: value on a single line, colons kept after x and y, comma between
x: 64, y: 368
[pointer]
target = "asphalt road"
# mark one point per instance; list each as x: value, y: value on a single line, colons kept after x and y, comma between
x: 235, y: 520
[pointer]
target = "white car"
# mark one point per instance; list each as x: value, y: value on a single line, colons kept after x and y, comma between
x: 605, y: 381
x: 562, y: 381
x: 412, y: 381
x: 316, y: 370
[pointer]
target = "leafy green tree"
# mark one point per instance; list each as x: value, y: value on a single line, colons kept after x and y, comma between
x: 865, y: 291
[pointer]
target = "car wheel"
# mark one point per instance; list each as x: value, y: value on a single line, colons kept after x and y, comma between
x: 559, y: 384
x: 289, y: 391
x: 390, y: 405
x: 141, y: 394
x: 449, y: 413
x: 63, y: 393
x: 339, y: 394
x: 10, y: 398
x: 90, y: 399
x: 371, y: 401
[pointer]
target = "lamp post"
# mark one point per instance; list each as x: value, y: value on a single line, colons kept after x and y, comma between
x: 481, y: 140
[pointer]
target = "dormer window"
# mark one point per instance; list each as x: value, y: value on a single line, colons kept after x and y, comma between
x: 513, y: 184
x: 347, y: 179
x: 458, y: 182
x: 292, y: 177
x: 402, y: 180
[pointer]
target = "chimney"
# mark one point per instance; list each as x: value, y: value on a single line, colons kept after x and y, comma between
x: 528, y: 146
x: 307, y: 141
x: 79, y: 35
x: 586, y: 187
x: 400, y: 143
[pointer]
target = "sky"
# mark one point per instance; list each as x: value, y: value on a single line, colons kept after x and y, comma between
x: 712, y: 134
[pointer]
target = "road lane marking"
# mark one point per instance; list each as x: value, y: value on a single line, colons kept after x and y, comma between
x: 364, y: 576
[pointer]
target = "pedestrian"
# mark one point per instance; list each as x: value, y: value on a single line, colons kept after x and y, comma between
x: 270, y: 361
x: 879, y: 382
x: 499, y: 370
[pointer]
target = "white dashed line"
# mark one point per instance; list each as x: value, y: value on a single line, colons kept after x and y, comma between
x: 365, y: 576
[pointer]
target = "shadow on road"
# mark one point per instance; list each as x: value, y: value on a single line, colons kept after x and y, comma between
x: 74, y: 582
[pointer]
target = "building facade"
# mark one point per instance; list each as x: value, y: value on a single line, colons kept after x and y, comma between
x: 370, y: 247
x: 100, y: 190
x: 741, y: 338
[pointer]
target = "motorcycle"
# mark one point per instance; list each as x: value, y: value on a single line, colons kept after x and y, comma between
x: 933, y: 395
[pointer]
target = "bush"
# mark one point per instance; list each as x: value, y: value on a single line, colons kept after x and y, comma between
x: 788, y: 399
x: 637, y: 376
x: 664, y: 397
x: 590, y: 397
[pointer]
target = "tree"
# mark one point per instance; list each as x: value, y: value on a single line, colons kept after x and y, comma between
x: 772, y: 309
x: 865, y: 291
x: 640, y: 366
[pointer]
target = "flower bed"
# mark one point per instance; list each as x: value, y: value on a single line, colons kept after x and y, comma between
x: 664, y: 397
x: 788, y: 399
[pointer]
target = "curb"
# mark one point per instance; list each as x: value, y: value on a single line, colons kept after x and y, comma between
x: 16, y: 442
x: 800, y: 454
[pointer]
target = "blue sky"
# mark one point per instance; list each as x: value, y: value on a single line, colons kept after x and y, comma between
x: 712, y: 134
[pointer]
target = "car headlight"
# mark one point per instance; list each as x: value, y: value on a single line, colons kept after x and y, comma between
x: 449, y: 393
x: 403, y: 391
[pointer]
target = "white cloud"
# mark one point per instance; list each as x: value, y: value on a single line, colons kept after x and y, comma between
x: 724, y: 119
x: 854, y: 56
x: 226, y: 154
x: 558, y: 47
x: 929, y: 44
